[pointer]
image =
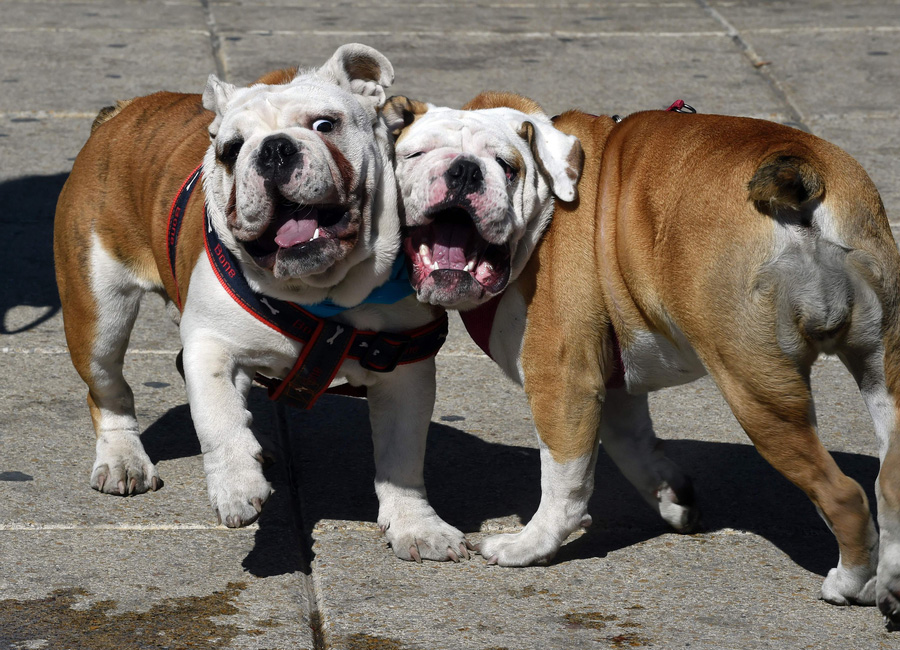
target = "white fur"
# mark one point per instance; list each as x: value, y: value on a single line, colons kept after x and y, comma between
x: 121, y: 465
x: 653, y: 361
x: 565, y: 491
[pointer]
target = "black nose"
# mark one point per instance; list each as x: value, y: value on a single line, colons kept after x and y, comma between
x: 277, y: 156
x: 464, y: 174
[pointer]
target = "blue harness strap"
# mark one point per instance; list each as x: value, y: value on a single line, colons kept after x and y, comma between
x: 326, y: 343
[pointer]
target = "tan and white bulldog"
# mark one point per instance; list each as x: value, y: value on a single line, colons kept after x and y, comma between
x: 298, y: 185
x: 696, y: 244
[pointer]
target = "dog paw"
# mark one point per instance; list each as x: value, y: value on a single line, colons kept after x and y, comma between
x: 849, y: 586
x: 425, y: 538
x: 888, y: 597
x: 237, y: 496
x: 683, y: 516
x: 524, y: 548
x: 122, y: 467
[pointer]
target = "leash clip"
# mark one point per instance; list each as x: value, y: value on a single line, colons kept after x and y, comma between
x: 678, y: 106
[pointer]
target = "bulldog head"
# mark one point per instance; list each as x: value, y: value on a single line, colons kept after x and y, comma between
x: 477, y: 186
x: 299, y: 181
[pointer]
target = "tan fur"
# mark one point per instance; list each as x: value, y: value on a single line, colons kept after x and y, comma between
x: 277, y: 77
x: 650, y: 243
x: 130, y: 218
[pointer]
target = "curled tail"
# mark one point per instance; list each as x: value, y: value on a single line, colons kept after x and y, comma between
x: 108, y: 112
x: 785, y: 180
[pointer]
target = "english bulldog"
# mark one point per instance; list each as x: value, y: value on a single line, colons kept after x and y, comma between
x: 692, y: 244
x: 297, y: 202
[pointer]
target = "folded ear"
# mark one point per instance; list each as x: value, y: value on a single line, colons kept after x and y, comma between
x: 215, y: 98
x: 559, y: 156
x: 361, y: 70
x: 399, y: 112
x: 217, y: 94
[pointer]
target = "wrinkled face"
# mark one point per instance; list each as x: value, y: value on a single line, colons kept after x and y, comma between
x: 294, y: 178
x: 469, y: 189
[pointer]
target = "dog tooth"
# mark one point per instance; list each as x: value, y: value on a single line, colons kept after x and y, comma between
x: 423, y: 251
x: 435, y: 267
x: 315, y: 235
x: 470, y: 266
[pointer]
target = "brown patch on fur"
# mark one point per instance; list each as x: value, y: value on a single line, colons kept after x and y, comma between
x: 498, y: 99
x: 277, y: 77
x: 105, y: 197
x: 399, y: 112
x: 345, y: 168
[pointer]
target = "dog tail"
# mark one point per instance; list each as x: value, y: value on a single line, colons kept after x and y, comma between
x: 108, y: 112
x: 785, y: 181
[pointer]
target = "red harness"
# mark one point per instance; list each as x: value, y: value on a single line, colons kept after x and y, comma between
x: 326, y: 343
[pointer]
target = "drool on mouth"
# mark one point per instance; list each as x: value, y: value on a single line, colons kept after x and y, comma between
x: 299, y: 228
x: 451, y: 242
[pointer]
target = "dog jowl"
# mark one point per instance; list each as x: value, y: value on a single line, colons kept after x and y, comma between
x: 698, y: 244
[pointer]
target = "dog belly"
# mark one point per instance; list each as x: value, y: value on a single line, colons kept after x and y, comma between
x: 653, y: 361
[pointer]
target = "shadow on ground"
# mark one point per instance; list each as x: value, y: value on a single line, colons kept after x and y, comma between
x: 470, y: 481
x: 26, y: 247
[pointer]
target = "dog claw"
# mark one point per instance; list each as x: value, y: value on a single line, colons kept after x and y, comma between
x: 218, y: 518
x: 463, y: 551
x: 102, y: 481
x: 452, y: 555
x: 586, y: 521
x: 121, y: 486
x: 414, y: 554
x: 257, y: 503
x: 493, y: 560
x: 132, y: 486
x: 155, y: 483
x: 233, y: 521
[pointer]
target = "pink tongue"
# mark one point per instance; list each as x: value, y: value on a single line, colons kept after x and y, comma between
x: 295, y: 231
x: 449, y: 249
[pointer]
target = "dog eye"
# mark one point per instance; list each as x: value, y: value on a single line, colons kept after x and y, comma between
x: 323, y: 125
x: 415, y: 154
x: 510, y: 171
x: 230, y: 151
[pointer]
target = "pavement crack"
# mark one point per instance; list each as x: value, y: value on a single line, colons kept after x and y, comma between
x: 304, y: 531
x: 215, y: 42
x: 796, y: 115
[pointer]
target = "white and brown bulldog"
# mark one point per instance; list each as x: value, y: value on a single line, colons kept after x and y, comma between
x: 299, y: 203
x: 696, y: 244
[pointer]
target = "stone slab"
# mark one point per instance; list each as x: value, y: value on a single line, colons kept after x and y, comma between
x: 600, y: 74
x: 81, y: 71
x: 97, y: 588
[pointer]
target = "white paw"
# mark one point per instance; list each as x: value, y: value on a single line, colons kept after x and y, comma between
x: 237, y: 492
x: 854, y: 586
x: 683, y: 518
x: 122, y: 466
x: 528, y: 546
x: 428, y: 537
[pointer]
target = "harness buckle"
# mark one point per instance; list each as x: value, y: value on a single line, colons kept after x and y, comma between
x: 384, y: 352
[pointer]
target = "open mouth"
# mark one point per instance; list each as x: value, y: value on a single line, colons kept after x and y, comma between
x: 450, y: 249
x: 297, y: 229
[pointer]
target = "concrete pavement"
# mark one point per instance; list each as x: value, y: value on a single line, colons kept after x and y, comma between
x: 83, y: 570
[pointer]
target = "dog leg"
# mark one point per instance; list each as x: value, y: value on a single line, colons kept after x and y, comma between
x: 870, y: 367
x: 566, y: 408
x: 774, y: 405
x: 626, y: 432
x: 98, y: 321
x: 400, y: 408
x: 232, y: 456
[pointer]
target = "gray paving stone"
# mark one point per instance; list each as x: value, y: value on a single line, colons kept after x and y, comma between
x: 151, y: 588
x: 600, y: 74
